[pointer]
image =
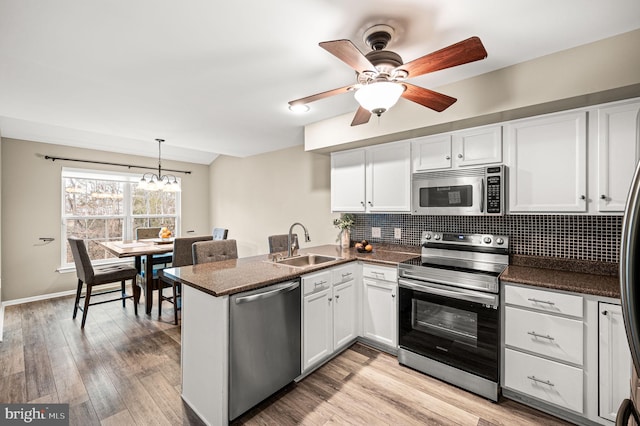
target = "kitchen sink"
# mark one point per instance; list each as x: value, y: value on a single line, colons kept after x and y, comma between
x: 306, y: 260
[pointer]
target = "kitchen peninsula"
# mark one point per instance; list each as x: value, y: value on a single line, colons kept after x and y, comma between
x: 206, y: 293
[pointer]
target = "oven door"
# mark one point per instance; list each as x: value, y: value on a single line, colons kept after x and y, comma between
x: 448, y: 196
x: 455, y: 326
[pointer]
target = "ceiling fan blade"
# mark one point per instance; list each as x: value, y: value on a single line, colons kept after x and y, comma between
x: 463, y: 52
x: 362, y: 116
x: 348, y: 53
x: 321, y: 95
x: 428, y: 98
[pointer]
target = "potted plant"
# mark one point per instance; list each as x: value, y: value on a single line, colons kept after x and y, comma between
x: 344, y: 224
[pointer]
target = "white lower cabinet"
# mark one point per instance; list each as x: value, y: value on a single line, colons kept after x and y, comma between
x: 543, y: 347
x: 547, y: 380
x: 614, y: 366
x: 565, y: 353
x: 379, y: 305
x: 317, y: 334
x: 543, y: 334
x: 329, y: 313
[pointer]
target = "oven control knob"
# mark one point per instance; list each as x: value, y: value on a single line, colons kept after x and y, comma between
x: 499, y: 241
x: 427, y: 236
x: 436, y: 237
x: 487, y: 240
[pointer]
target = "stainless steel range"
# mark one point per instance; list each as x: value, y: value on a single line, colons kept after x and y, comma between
x: 449, y: 314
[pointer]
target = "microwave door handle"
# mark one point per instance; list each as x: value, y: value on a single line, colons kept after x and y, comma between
x: 481, y: 195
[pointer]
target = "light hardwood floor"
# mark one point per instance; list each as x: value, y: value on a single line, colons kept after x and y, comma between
x: 125, y: 370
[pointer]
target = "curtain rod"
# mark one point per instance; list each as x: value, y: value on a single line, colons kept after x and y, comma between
x: 130, y: 166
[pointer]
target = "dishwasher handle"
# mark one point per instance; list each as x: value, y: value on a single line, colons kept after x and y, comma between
x: 267, y: 294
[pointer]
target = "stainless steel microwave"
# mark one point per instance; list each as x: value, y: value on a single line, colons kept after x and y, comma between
x: 472, y: 191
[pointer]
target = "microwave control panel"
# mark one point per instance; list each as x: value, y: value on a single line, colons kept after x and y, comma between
x: 494, y: 190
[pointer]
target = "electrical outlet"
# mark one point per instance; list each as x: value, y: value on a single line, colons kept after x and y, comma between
x: 397, y: 233
x: 375, y: 232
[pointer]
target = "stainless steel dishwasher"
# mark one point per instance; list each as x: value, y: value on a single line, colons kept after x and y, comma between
x: 264, y: 343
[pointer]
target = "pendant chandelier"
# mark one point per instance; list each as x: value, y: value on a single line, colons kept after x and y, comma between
x: 159, y: 182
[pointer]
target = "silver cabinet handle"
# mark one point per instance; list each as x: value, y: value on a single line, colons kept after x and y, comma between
x: 393, y: 295
x: 535, y: 379
x: 603, y: 197
x: 348, y: 274
x: 583, y: 197
x: 319, y: 283
x: 605, y: 312
x: 330, y: 299
x: 337, y: 297
x: 448, y: 157
x: 540, y: 301
x: 459, y: 155
x: 370, y: 203
x: 362, y: 202
x: 534, y: 334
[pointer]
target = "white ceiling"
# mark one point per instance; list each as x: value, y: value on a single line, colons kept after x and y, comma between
x: 214, y: 77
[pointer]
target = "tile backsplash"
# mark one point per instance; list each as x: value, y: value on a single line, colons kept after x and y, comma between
x: 566, y: 236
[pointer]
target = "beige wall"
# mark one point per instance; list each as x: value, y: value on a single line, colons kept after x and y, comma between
x: 258, y: 196
x: 562, y: 80
x: 31, y: 208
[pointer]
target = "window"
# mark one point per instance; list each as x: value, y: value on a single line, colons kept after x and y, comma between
x: 109, y: 206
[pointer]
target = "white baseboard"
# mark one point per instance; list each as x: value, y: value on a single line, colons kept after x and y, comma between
x: 50, y: 296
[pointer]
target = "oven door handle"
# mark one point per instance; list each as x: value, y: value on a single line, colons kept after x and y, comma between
x: 462, y: 294
x: 482, y: 196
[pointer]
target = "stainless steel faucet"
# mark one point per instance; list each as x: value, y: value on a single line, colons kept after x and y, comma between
x: 290, y: 237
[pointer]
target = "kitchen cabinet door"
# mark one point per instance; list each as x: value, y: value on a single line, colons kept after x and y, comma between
x: 477, y: 146
x: 548, y: 163
x: 618, y: 153
x: 344, y: 314
x: 380, y: 321
x: 431, y: 153
x: 348, y: 181
x: 317, y: 327
x: 614, y: 360
x: 388, y: 180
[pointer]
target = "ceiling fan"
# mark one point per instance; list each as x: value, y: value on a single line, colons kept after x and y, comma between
x: 381, y: 75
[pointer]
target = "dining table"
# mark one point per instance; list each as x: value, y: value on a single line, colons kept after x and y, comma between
x: 138, y: 249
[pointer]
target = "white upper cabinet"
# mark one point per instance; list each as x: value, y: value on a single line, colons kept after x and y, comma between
x: 472, y: 147
x: 482, y: 145
x: 348, y: 181
x: 373, y: 179
x: 617, y: 154
x: 431, y: 153
x: 389, y: 178
x: 547, y: 159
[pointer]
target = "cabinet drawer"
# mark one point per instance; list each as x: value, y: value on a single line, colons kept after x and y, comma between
x: 380, y: 272
x: 344, y: 274
x: 316, y: 282
x: 550, y: 381
x: 549, y: 335
x: 544, y: 301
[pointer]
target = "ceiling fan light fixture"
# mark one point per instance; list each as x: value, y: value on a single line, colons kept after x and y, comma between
x: 378, y: 97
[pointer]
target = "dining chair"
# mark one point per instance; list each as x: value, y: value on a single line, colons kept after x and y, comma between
x: 214, y: 251
x: 146, y: 233
x: 278, y: 243
x: 220, y: 233
x: 182, y: 256
x: 90, y: 276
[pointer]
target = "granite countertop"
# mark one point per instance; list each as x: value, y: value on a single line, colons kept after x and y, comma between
x: 248, y: 273
x: 587, y: 277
